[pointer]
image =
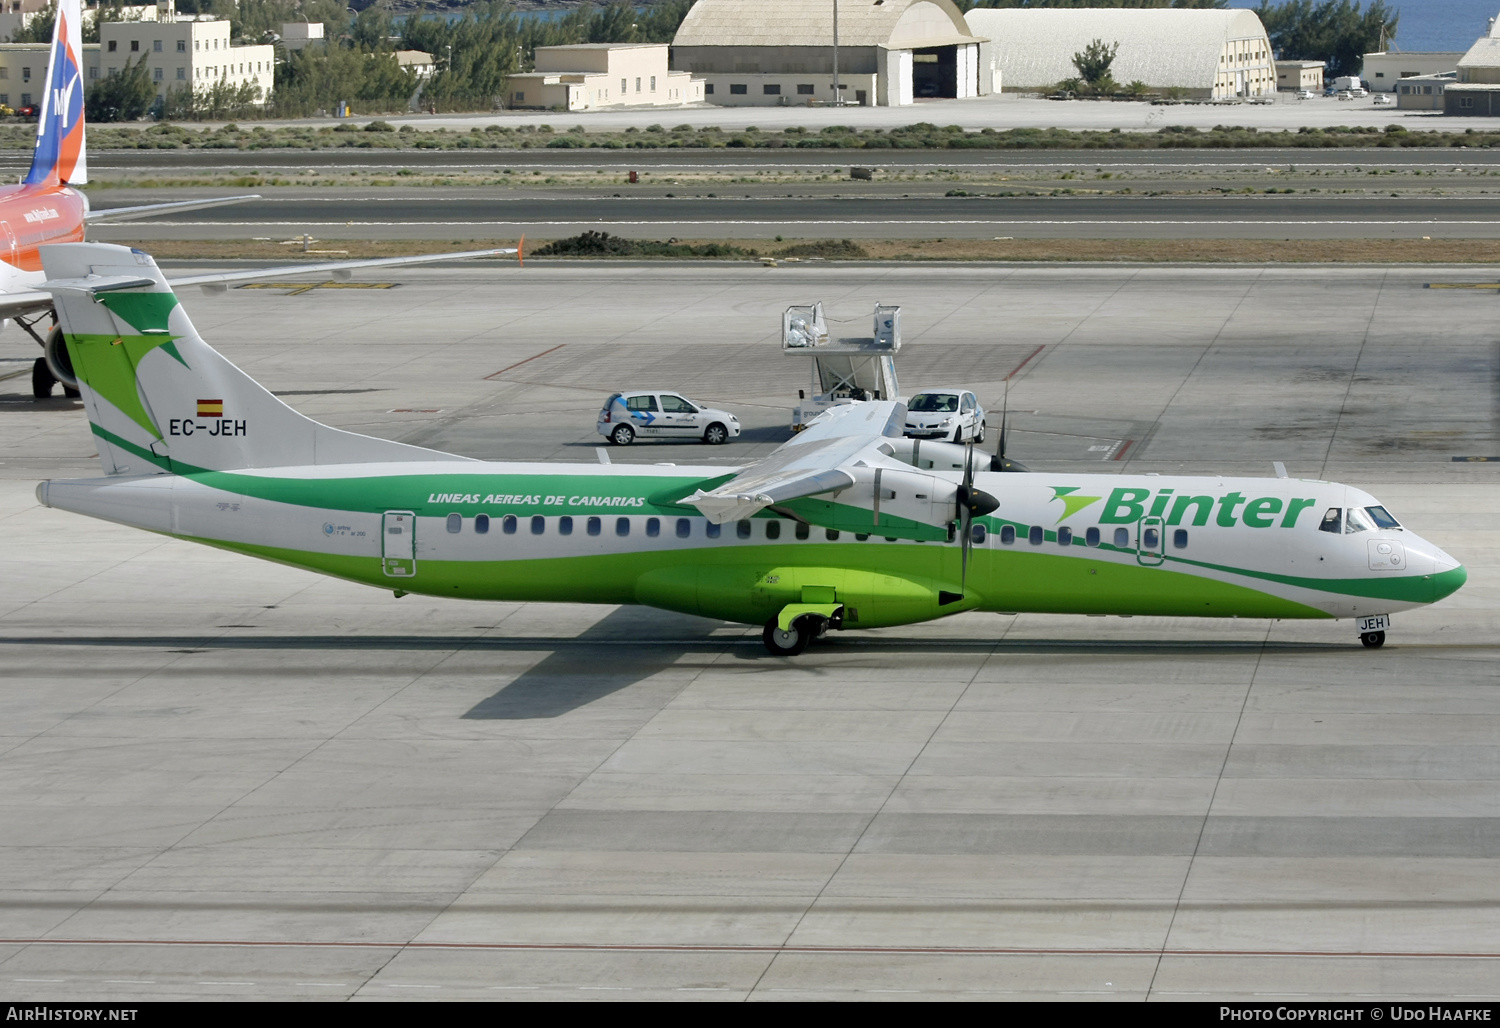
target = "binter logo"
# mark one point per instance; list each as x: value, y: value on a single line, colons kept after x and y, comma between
x: 1071, y: 501
x: 1126, y: 506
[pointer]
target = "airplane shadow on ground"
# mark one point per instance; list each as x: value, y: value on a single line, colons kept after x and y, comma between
x: 587, y: 668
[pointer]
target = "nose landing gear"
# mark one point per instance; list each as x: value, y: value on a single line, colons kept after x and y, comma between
x: 1372, y: 640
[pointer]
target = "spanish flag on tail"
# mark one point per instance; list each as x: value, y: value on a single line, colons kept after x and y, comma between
x: 210, y: 408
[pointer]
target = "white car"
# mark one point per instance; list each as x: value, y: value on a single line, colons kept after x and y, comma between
x: 949, y: 414
x: 1384, y: 99
x: 1306, y: 94
x: 657, y: 414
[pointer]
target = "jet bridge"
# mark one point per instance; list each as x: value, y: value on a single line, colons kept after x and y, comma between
x: 844, y: 368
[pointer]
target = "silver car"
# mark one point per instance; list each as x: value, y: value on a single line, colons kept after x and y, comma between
x: 662, y: 415
x: 950, y: 414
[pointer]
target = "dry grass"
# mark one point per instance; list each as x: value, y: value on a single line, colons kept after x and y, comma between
x: 1212, y: 251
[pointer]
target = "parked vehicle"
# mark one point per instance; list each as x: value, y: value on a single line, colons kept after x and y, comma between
x: 1306, y: 94
x: 949, y: 414
x: 1384, y: 100
x: 663, y: 415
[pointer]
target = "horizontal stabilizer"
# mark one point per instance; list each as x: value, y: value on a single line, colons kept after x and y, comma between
x: 150, y: 210
x: 338, y: 269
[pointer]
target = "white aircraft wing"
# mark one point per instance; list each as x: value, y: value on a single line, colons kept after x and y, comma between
x: 29, y: 301
x: 818, y: 460
x: 217, y: 283
x: 153, y: 209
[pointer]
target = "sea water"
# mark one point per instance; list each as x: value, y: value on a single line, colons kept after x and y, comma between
x: 1433, y: 24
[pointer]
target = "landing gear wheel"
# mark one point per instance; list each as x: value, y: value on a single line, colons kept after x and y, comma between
x: 71, y: 393
x: 42, y: 379
x: 979, y: 435
x: 623, y: 435
x: 716, y: 434
x: 789, y: 643
x: 1373, y: 640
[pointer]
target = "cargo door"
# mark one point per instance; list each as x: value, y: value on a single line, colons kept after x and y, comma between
x: 398, y: 541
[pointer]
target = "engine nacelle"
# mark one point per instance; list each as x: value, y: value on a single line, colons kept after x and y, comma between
x: 58, y: 361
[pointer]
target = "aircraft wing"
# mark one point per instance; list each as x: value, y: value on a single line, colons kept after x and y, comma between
x: 819, y: 460
x: 153, y: 209
x: 217, y: 283
x: 28, y: 301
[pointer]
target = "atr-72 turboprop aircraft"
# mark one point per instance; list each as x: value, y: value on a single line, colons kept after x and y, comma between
x: 47, y: 208
x: 846, y: 526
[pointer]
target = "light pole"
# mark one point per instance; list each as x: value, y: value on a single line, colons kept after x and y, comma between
x: 837, y: 96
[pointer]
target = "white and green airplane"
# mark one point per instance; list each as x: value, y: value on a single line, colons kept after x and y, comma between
x: 846, y: 526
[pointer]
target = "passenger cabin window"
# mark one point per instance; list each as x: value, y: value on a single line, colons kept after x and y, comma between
x: 564, y: 525
x: 538, y: 524
x: 653, y: 527
x: 742, y: 529
x: 1333, y: 521
x: 1152, y: 538
x: 595, y: 526
x: 1179, y: 539
x: 1037, y: 535
x: 684, y: 528
x: 773, y: 529
x: 508, y: 524
x: 1122, y: 538
x: 831, y: 534
x: 455, y: 523
x: 1382, y: 517
x: 713, y: 530
x: 481, y: 524
x: 1065, y: 536
x: 802, y: 531
x: 1007, y: 534
x: 641, y: 403
x: 622, y: 526
x: 1091, y: 537
x: 977, y: 533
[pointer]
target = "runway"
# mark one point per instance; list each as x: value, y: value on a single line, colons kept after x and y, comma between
x: 229, y: 779
x: 471, y: 214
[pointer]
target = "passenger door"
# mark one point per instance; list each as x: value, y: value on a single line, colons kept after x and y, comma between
x: 645, y: 414
x: 1151, y: 542
x: 398, y: 543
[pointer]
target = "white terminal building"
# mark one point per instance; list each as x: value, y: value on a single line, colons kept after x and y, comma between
x: 588, y: 76
x: 1209, y: 54
x: 179, y: 50
x: 781, y: 52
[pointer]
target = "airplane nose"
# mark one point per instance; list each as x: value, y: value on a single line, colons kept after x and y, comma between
x: 1448, y: 577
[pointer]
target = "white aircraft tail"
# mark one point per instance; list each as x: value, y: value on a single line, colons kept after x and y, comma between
x: 159, y: 397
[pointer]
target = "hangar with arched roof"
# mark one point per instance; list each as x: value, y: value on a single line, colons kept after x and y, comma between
x: 781, y: 52
x: 1200, y: 53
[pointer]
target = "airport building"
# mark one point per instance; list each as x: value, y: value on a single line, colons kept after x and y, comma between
x: 588, y: 76
x: 1423, y: 92
x: 1197, y: 53
x: 188, y: 51
x: 1384, y: 71
x: 781, y: 52
x: 1292, y: 76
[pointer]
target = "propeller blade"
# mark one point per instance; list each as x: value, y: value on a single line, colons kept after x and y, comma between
x: 966, y: 519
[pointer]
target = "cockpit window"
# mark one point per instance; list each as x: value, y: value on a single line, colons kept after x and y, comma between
x: 1382, y: 517
x: 1357, y: 521
x: 1333, y: 521
x: 933, y: 403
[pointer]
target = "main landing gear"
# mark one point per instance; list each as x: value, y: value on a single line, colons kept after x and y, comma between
x: 798, y: 634
x: 1372, y: 640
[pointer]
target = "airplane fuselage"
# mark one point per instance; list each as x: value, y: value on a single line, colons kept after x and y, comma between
x: 33, y: 216
x: 1062, y: 543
